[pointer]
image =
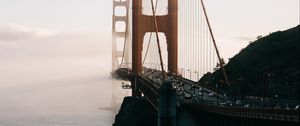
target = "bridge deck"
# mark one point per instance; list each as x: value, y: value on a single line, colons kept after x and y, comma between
x: 149, y: 87
x: 254, y: 113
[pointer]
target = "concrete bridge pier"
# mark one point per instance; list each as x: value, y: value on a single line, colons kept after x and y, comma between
x: 134, y: 85
x: 167, y: 105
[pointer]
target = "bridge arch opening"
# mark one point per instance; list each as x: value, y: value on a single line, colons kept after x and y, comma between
x: 161, y: 9
x: 150, y: 54
x: 120, y: 26
x: 120, y: 43
x: 120, y: 11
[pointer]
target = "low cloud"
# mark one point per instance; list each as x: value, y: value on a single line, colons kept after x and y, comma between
x: 42, y: 72
x: 13, y: 32
x: 244, y: 38
x: 24, y: 42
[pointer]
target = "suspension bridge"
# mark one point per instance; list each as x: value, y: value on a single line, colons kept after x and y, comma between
x: 167, y: 46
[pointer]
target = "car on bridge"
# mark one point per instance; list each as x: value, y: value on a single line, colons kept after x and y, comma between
x: 180, y: 93
x: 200, y: 94
x: 226, y: 104
x: 200, y: 89
x: 179, y: 89
x: 238, y: 102
x: 187, y: 96
x: 211, y: 94
x: 246, y: 106
x: 297, y: 107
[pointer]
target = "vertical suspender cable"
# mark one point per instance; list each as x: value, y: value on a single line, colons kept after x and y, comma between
x: 201, y: 44
x: 183, y: 35
x: 190, y: 40
x: 194, y: 39
x: 198, y: 40
x: 196, y: 28
x: 204, y: 47
x: 186, y: 37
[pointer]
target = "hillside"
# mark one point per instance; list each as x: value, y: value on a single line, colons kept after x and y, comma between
x: 271, y: 63
x: 136, y: 112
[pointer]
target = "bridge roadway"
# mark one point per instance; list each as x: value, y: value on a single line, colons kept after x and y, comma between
x: 192, y: 96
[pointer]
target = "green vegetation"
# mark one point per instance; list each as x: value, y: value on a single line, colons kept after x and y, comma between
x: 268, y: 67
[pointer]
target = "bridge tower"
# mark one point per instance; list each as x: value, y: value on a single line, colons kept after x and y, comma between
x: 117, y: 55
x: 167, y: 24
x: 141, y: 24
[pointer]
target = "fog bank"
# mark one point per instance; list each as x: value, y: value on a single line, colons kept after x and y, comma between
x: 56, y: 78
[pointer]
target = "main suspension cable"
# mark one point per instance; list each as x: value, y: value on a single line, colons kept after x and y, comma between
x: 215, y: 45
x: 158, y: 42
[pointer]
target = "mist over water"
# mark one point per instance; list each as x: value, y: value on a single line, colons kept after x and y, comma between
x: 78, y: 102
x: 58, y: 80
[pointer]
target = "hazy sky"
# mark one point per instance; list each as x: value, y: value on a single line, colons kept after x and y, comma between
x: 235, y: 22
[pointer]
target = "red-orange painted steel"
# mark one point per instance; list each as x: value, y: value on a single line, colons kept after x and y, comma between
x: 167, y: 24
x: 173, y: 36
x: 137, y: 44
